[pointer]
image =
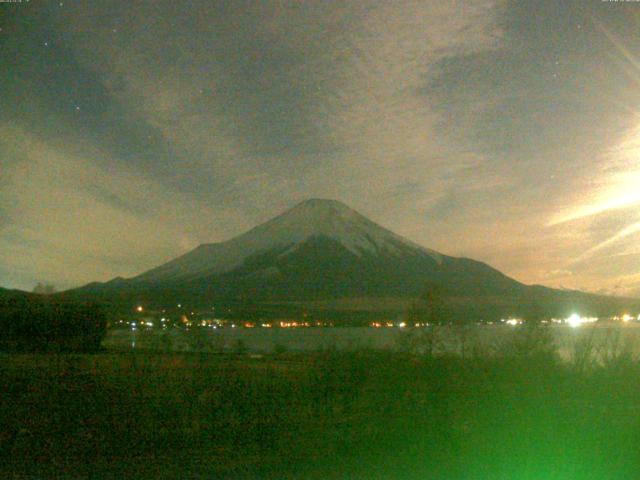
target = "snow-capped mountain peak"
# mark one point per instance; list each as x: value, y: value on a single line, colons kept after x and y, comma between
x: 327, y: 257
x: 312, y: 218
x: 327, y: 218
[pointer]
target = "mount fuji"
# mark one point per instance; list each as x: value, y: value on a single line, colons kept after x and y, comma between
x: 324, y: 257
x: 309, y: 223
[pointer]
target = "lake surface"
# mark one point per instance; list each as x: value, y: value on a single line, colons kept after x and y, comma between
x: 603, y: 340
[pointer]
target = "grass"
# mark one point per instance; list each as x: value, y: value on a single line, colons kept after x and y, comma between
x: 354, y: 415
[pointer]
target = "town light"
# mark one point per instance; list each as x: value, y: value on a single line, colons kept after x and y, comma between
x: 574, y: 320
x: 513, y: 321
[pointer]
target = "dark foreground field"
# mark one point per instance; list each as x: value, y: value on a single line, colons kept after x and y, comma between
x: 317, y: 416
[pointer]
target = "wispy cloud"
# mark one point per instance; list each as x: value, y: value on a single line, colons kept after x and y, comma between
x: 86, y: 221
x: 503, y: 131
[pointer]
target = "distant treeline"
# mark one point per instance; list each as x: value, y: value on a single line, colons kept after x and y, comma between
x: 34, y: 323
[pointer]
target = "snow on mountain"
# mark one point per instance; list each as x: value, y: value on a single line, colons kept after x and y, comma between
x: 311, y: 218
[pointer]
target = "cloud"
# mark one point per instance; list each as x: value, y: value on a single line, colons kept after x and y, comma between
x: 277, y: 102
x: 87, y: 222
x: 496, y: 130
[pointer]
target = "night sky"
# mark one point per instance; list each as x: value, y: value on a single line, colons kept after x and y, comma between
x: 508, y: 132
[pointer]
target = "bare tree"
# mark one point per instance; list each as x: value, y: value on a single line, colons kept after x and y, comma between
x: 428, y: 311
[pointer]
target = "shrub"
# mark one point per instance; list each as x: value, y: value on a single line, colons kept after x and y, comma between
x: 37, y: 324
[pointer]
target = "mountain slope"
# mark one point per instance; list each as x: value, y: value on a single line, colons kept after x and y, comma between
x: 312, y: 218
x: 323, y: 253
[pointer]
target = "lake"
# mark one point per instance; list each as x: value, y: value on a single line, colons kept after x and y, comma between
x: 602, y: 339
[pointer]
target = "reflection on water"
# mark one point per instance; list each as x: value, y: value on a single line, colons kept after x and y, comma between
x: 600, y: 338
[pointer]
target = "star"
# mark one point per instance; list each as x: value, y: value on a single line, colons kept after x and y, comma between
x: 46, y: 44
x: 77, y: 108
